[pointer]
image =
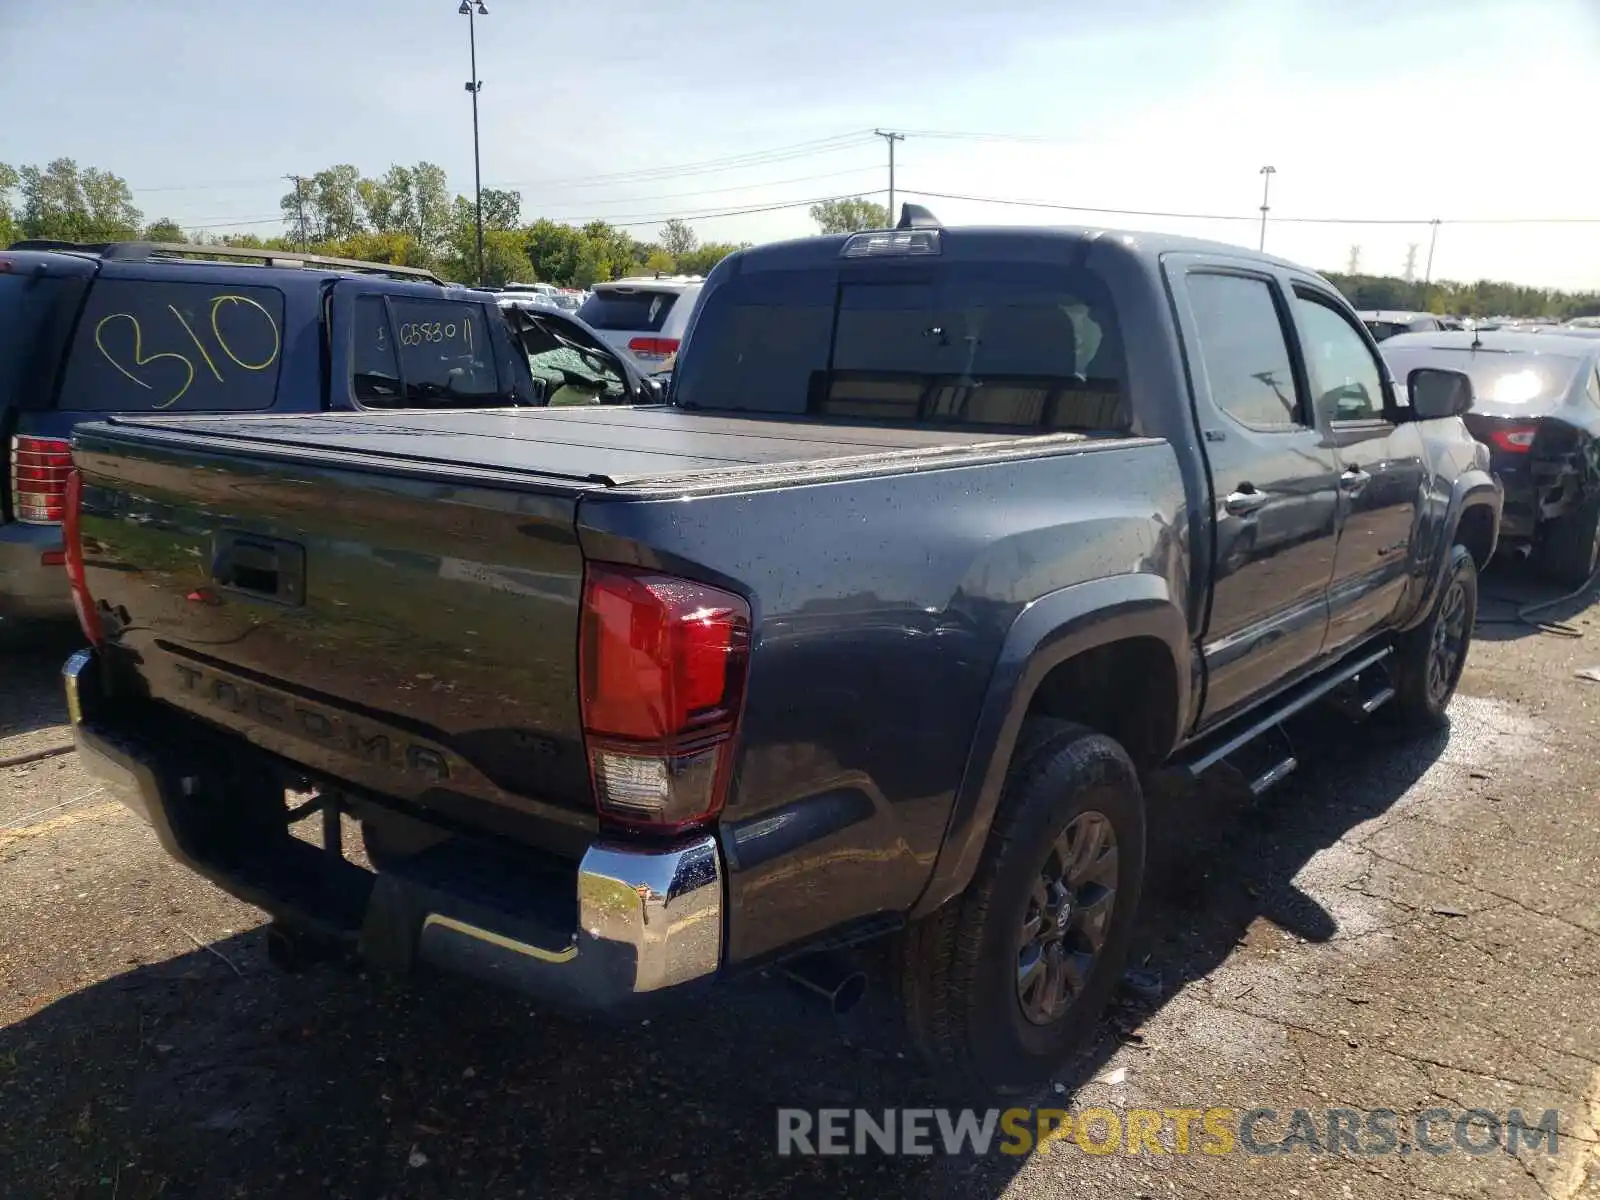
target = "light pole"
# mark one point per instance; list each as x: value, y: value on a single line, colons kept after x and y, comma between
x: 1266, y: 189
x: 475, y: 85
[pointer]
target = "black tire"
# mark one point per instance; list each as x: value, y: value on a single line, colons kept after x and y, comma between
x: 1429, y: 658
x: 962, y: 972
x: 1568, y: 549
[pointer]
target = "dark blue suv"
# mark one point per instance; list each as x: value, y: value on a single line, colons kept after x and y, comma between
x: 135, y: 327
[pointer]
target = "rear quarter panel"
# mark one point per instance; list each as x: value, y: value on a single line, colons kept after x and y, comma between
x: 880, y: 608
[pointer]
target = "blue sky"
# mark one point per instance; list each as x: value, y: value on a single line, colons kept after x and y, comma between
x: 1368, y: 110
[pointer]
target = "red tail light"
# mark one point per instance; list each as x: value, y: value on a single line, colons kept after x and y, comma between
x: 1514, y: 439
x: 663, y: 665
x: 653, y: 347
x: 88, y: 617
x: 39, y: 469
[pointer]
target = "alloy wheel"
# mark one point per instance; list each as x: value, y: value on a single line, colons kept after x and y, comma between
x: 1068, y: 914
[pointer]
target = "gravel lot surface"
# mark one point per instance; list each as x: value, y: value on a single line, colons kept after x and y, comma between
x: 1398, y: 925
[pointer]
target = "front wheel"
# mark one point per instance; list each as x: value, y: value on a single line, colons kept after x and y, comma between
x: 1429, y: 658
x: 1006, y: 981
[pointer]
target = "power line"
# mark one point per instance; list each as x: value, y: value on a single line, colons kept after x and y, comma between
x: 658, y: 218
x: 825, y: 145
x: 275, y: 219
x: 1190, y: 216
x: 1120, y: 212
x: 203, y: 187
x: 959, y: 135
x: 706, y: 166
x: 741, y: 187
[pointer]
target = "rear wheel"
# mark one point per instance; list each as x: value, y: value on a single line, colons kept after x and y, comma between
x: 1429, y: 658
x: 1568, y: 549
x: 1006, y: 981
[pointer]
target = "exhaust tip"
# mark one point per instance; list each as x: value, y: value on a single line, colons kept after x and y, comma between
x: 851, y: 992
x: 828, y: 978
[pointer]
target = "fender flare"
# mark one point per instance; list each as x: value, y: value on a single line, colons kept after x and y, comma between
x: 1048, y: 632
x: 1472, y: 489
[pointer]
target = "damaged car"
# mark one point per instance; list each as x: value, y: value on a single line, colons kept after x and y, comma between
x: 1537, y: 408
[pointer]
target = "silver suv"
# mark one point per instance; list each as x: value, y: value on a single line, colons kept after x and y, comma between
x: 643, y: 317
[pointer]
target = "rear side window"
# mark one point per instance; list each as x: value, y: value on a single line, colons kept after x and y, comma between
x: 36, y: 314
x: 156, y: 346
x: 422, y: 354
x: 1014, y: 345
x: 635, y: 310
x: 1244, y: 350
x: 375, y: 365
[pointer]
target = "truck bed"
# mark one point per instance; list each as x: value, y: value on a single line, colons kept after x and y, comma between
x: 606, y: 446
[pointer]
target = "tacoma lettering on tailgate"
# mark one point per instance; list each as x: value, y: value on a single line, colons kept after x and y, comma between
x: 314, y: 723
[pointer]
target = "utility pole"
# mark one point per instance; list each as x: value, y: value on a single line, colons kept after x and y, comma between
x: 1427, y: 277
x: 891, y: 137
x: 1266, y: 190
x: 1410, y: 273
x: 300, y: 210
x: 1353, y: 267
x: 475, y: 85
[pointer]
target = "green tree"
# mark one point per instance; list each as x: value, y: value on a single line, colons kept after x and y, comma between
x: 501, y: 209
x: 395, y: 247
x: 505, y: 247
x: 424, y: 201
x: 553, y: 250
x: 164, y: 230
x: 678, y: 239
x: 659, y: 262
x: 707, y: 256
x: 60, y: 201
x: 849, y: 216
x: 380, y: 203
x: 9, y: 178
x: 336, y: 200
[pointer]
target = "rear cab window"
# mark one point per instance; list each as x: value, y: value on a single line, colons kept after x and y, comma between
x: 158, y: 346
x: 1020, y: 346
x: 36, y: 314
x: 413, y: 352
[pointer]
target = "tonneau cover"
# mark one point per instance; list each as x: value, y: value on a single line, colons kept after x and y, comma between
x: 610, y: 445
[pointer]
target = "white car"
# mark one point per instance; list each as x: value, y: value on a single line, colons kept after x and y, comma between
x: 644, y: 317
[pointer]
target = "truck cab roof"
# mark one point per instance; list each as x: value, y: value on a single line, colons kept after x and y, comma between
x: 1004, y: 242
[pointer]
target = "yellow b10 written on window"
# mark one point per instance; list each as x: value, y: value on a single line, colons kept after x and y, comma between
x: 238, y: 312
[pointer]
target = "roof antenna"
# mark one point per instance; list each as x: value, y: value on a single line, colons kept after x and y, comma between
x: 1477, y: 337
x: 914, y: 216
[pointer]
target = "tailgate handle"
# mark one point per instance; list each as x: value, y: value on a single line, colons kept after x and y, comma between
x: 260, y: 567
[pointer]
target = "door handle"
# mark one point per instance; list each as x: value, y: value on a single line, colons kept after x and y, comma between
x: 1354, y: 479
x: 263, y: 568
x: 1246, y: 500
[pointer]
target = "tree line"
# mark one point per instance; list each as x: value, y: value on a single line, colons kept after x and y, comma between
x: 409, y: 216
x: 1485, y: 298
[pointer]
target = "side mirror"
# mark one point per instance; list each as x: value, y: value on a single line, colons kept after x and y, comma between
x: 1438, y: 393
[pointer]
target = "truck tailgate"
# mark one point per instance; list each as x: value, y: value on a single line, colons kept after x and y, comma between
x: 411, y: 637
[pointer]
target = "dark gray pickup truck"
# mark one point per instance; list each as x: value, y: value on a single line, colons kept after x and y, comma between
x: 944, y: 539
